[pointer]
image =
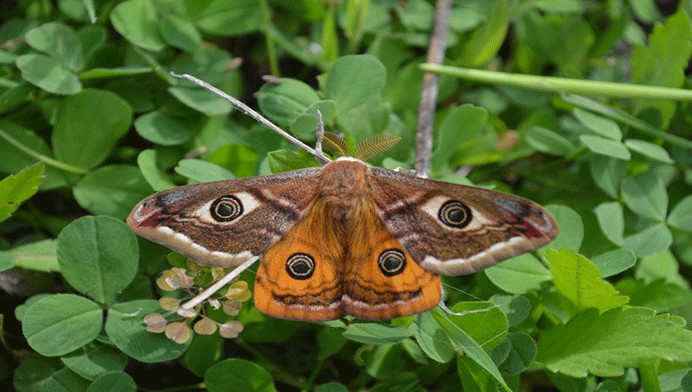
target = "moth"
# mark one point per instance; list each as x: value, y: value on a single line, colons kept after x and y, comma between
x: 346, y: 238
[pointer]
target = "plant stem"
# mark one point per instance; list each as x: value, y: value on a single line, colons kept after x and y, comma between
x: 35, y: 154
x: 428, y: 99
x: 309, y: 384
x: 556, y: 85
x: 649, y: 377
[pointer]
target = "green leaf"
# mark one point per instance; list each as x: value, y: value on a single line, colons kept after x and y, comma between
x: 127, y: 331
x: 58, y: 41
x: 353, y: 80
x: 111, y: 190
x: 136, y: 21
x: 604, y: 345
x: 33, y: 371
x: 160, y: 128
x: 93, y: 361
x: 15, y: 189
x: 469, y: 15
x: 418, y: 15
x: 146, y: 160
x: 15, y: 96
x: 559, y: 6
x: 243, y: 375
x: 645, y: 194
x: 470, y: 347
x: 462, y: 124
x: 606, y: 147
x: 6, y: 261
x: 330, y: 341
x: 485, y: 41
x: 285, y: 160
x: 201, y: 100
x: 330, y: 37
x: 204, y: 351
x: 26, y: 148
x: 483, y: 321
x: 675, y: 380
x: 384, y: 361
x: 48, y: 74
x: 98, y: 256
x: 614, y: 262
x: 64, y: 380
x: 650, y: 150
x: 371, y: 118
x: 331, y: 387
x: 515, y: 307
x: 88, y: 126
x: 680, y: 216
x: 663, y: 265
x: 646, y: 11
x: 371, y: 333
x: 20, y: 310
x: 567, y: 42
x: 270, y: 330
x: 226, y: 17
x: 61, y: 323
x: 473, y: 377
x: 612, y: 221
x: 658, y: 295
x: 180, y: 32
x: 519, y: 275
x: 37, y: 256
x: 608, y: 174
x: 82, y: 11
x: 285, y: 101
x: 571, y: 226
x: 599, y: 125
x: 578, y: 280
x: 113, y: 382
x: 414, y: 351
x: 522, y: 354
x: 305, y: 126
x: 202, y: 171
x: 241, y: 160
x: 650, y: 241
x: 548, y: 141
x: 663, y: 62
x: 432, y: 339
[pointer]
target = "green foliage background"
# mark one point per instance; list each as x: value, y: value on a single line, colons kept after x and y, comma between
x: 91, y: 122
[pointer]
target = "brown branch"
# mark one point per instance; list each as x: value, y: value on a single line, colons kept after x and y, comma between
x: 426, y: 109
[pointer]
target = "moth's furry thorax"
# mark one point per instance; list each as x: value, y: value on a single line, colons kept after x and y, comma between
x: 342, y: 186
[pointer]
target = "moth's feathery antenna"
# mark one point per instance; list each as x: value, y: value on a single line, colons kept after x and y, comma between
x: 321, y: 159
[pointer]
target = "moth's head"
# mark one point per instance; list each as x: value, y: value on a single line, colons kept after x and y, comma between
x: 144, y: 214
x: 147, y: 214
